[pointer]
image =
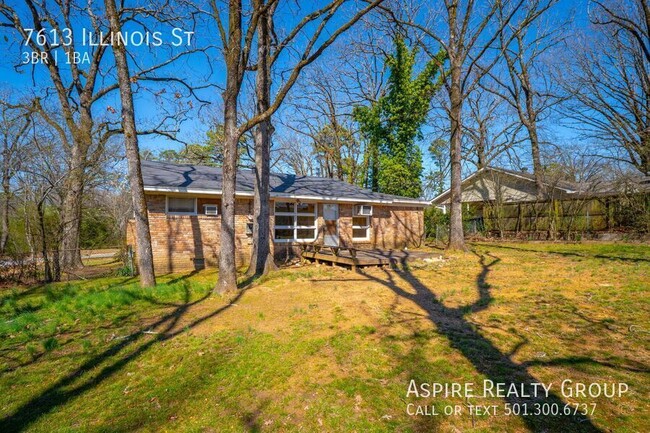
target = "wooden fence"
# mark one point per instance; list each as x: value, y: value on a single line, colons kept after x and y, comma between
x: 561, y: 218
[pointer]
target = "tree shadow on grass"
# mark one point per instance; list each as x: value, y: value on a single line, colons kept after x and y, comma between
x: 251, y: 418
x: 15, y: 295
x: 109, y: 362
x: 570, y: 253
x: 486, y: 358
x: 626, y: 365
x: 183, y: 277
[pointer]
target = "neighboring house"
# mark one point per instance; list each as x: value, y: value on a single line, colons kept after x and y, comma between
x: 501, y: 200
x: 184, y: 203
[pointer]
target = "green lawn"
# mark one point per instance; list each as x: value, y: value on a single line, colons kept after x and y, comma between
x: 316, y: 348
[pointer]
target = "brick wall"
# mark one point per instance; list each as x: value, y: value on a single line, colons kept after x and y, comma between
x: 397, y: 227
x: 188, y: 242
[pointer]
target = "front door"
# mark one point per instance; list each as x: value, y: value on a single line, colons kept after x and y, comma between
x: 331, y: 218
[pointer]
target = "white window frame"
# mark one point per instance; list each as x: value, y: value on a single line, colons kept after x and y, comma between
x: 356, y: 209
x: 179, y: 213
x: 366, y: 227
x: 295, y: 227
x: 211, y: 204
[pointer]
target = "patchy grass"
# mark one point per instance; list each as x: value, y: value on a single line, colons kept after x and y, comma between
x: 323, y: 349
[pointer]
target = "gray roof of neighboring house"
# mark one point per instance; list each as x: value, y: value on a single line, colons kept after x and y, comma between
x: 557, y: 183
x: 169, y: 177
x: 574, y: 189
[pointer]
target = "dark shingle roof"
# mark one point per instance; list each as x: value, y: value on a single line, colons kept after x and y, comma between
x: 165, y: 176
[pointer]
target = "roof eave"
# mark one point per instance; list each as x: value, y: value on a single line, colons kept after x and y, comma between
x: 436, y: 199
x: 184, y: 190
x: 446, y: 192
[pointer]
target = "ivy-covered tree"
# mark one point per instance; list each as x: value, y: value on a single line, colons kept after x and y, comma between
x: 392, y: 125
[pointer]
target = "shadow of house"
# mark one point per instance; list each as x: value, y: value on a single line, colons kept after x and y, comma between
x: 486, y: 358
x: 199, y: 257
x: 411, y: 231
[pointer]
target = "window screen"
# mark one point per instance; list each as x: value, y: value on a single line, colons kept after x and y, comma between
x: 361, y: 227
x: 181, y: 205
x: 295, y: 221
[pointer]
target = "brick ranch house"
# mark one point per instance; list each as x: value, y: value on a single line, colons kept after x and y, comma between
x: 184, y: 203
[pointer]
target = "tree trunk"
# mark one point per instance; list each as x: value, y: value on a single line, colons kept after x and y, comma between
x: 46, y: 259
x: 374, y: 167
x: 6, y: 191
x: 456, y: 235
x: 75, y: 184
x: 480, y: 152
x: 56, y: 265
x: 530, y: 122
x: 71, y: 217
x: 227, y: 263
x: 29, y: 240
x: 537, y: 161
x: 531, y: 127
x: 481, y: 146
x: 261, y: 257
x: 142, y: 233
x: 227, y: 260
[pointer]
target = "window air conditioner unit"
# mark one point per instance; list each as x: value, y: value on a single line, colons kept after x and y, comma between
x: 363, y: 209
x: 211, y: 209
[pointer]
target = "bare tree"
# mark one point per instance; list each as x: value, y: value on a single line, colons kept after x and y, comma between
x: 322, y: 114
x: 611, y: 81
x: 237, y: 39
x: 490, y: 129
x: 76, y: 93
x: 529, y: 86
x: 42, y: 180
x: 295, y: 155
x: 84, y: 126
x: 354, y: 74
x: 469, y: 31
x: 14, y: 126
x: 142, y: 233
x: 261, y: 256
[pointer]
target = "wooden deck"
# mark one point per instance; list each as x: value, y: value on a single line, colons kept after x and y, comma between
x: 361, y: 258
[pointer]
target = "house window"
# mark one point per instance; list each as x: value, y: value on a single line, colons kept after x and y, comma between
x: 363, y: 210
x: 361, y: 223
x: 360, y: 228
x: 295, y: 221
x: 181, y: 205
x: 211, y: 209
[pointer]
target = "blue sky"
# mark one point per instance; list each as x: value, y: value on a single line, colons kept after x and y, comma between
x: 200, y: 69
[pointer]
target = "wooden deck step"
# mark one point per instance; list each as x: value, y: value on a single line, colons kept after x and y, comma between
x: 367, y: 257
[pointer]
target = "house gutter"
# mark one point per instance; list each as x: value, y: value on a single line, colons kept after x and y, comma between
x: 246, y: 194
